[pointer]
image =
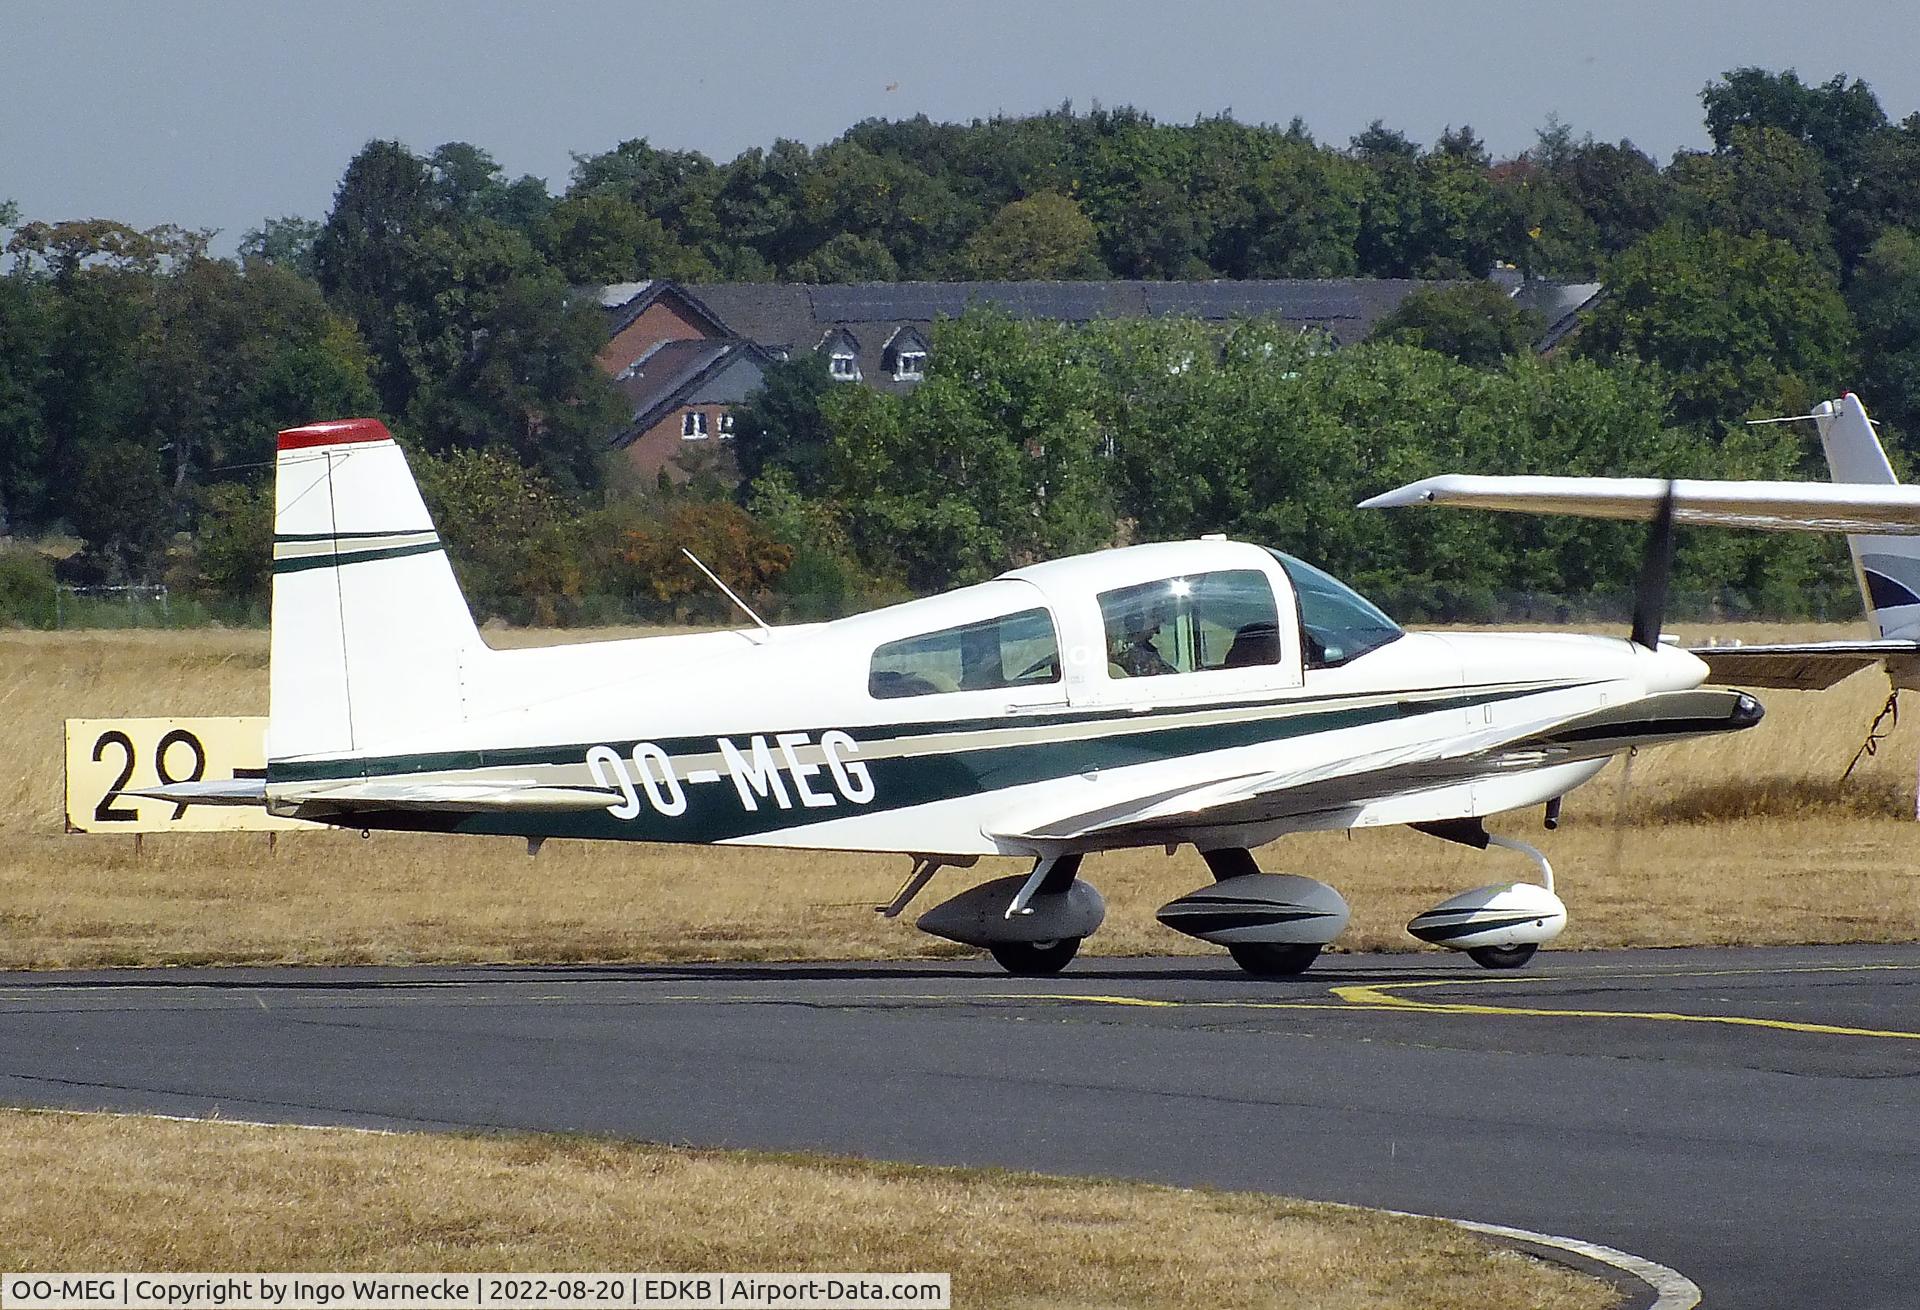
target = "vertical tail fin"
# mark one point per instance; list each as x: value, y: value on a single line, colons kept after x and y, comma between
x: 369, y: 627
x: 1888, y: 568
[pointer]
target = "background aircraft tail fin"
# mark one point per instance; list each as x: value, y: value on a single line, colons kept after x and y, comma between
x: 1887, y: 567
x: 370, y: 630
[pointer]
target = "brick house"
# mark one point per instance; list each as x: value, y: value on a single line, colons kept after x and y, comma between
x: 685, y: 354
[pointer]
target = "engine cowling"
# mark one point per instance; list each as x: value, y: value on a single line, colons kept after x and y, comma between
x: 1279, y: 908
x: 1505, y: 914
x: 978, y: 916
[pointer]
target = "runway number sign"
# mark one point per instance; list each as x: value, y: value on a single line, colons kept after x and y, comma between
x: 105, y: 757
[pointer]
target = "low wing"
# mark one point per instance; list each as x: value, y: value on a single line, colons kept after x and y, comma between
x: 1803, y: 666
x: 1768, y: 506
x: 494, y: 795
x: 1277, y: 794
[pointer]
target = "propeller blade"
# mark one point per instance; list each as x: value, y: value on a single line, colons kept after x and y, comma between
x: 1656, y: 570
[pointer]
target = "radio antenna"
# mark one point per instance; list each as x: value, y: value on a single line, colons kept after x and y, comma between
x: 727, y: 591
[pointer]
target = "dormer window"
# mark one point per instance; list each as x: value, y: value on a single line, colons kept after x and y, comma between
x: 905, y: 354
x: 693, y: 425
x: 842, y: 350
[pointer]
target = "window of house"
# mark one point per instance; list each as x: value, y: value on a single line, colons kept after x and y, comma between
x: 1017, y: 650
x: 693, y: 425
x: 910, y: 364
x: 1337, y: 623
x: 726, y: 424
x: 1222, y: 620
x: 843, y: 368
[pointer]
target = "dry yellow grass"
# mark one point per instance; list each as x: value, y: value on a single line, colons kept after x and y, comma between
x: 114, y: 1193
x: 1748, y: 839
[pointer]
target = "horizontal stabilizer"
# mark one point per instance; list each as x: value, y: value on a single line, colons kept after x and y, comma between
x: 493, y: 796
x: 1768, y: 506
x: 219, y: 791
x: 1806, y: 666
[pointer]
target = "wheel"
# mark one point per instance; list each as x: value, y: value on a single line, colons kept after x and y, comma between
x: 1036, y: 959
x: 1273, y: 959
x: 1502, y: 957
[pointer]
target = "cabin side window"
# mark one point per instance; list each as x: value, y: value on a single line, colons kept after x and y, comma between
x: 1016, y: 650
x: 1337, y: 623
x: 1223, y: 620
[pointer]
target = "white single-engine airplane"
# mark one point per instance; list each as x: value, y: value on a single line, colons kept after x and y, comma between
x: 1864, y: 500
x: 1209, y: 692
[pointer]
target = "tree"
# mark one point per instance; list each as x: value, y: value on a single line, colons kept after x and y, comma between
x: 726, y: 539
x: 1741, y: 324
x: 1430, y: 216
x: 229, y: 356
x: 1618, y: 188
x: 916, y: 216
x: 992, y: 461
x: 846, y: 258
x: 1886, y: 303
x: 600, y: 237
x: 119, y: 506
x: 677, y: 187
x: 25, y: 344
x: 370, y: 261
x: 1297, y: 215
x: 780, y: 426
x: 1476, y: 323
x: 509, y: 534
x: 1043, y: 237
x: 1836, y: 118
x: 1765, y: 181
x: 467, y: 183
x: 527, y: 385
x: 1840, y: 121
x: 284, y: 242
x: 233, y: 548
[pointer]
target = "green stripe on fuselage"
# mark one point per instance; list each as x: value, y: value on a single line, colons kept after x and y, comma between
x: 715, y: 812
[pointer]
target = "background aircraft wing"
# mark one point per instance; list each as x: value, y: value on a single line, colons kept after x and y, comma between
x: 1264, y: 796
x: 1804, y: 666
x: 1888, y: 510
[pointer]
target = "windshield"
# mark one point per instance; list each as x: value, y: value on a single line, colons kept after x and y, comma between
x: 1337, y: 623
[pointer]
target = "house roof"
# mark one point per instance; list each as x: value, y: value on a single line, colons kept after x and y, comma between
x: 787, y: 314
x: 661, y: 379
x: 623, y: 302
x: 790, y: 317
x: 1559, y: 305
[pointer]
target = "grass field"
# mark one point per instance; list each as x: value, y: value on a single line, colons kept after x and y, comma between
x: 129, y: 1193
x: 1747, y: 839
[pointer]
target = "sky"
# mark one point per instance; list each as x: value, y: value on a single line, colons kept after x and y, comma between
x: 219, y: 115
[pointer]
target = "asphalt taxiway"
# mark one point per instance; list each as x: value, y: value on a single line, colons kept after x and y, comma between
x: 1748, y: 1117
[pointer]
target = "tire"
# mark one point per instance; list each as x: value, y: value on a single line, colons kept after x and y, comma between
x: 1502, y: 957
x: 1273, y: 959
x: 1036, y: 959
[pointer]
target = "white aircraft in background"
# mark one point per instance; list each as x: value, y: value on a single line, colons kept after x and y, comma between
x: 1208, y: 693
x: 1864, y: 500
